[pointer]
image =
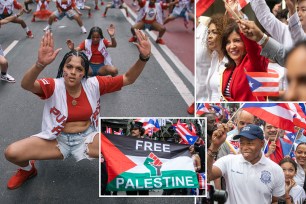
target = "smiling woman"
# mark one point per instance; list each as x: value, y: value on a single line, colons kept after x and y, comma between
x: 72, y: 106
x: 243, y: 56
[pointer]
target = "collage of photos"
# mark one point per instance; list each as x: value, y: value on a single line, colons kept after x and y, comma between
x: 153, y: 101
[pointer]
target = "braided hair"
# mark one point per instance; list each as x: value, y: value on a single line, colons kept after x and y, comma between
x: 84, y: 62
x: 95, y: 29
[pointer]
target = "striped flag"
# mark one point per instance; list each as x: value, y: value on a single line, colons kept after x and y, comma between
x: 120, y: 132
x: 202, y: 6
x: 282, y: 115
x: 187, y: 136
x: 263, y: 83
x: 142, y: 164
x: 242, y: 4
x: 202, y: 180
x: 202, y: 108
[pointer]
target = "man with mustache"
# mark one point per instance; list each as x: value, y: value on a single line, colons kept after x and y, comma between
x: 250, y: 167
x: 277, y: 148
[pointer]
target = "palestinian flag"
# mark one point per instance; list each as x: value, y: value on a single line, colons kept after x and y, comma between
x: 142, y: 164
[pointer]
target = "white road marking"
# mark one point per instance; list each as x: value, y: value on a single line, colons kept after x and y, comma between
x: 173, y: 76
x: 10, y: 47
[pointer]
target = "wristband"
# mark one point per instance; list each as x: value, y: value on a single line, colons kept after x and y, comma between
x: 143, y: 58
x: 211, y: 153
x: 39, y: 65
x: 112, y: 36
x: 262, y: 40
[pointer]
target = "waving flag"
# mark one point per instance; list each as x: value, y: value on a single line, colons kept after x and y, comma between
x: 242, y: 4
x: 141, y: 164
x: 202, y: 6
x: 263, y: 83
x: 217, y: 109
x: 187, y: 136
x: 120, y: 132
x: 202, y: 108
x: 277, y: 114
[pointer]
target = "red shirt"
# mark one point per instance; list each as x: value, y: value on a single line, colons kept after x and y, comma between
x: 277, y: 155
x: 82, y: 110
x: 252, y: 62
x: 97, y: 57
x: 65, y: 2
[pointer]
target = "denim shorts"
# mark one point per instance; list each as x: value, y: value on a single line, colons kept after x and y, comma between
x: 95, y: 68
x: 70, y: 13
x: 76, y: 144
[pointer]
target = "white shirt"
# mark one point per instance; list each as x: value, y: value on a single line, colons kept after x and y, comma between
x: 297, y: 193
x: 278, y: 30
x: 300, y: 176
x: 282, y: 73
x: 251, y: 184
x: 203, y: 61
x: 213, y: 81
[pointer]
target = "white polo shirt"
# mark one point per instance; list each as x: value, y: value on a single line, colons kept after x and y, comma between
x: 300, y: 176
x: 252, y: 184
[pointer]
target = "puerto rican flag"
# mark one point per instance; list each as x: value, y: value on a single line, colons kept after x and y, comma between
x: 242, y: 4
x: 202, y: 180
x: 202, y: 6
x: 109, y: 130
x: 188, y: 137
x: 217, y: 109
x: 278, y: 114
x: 202, y: 108
x: 263, y: 83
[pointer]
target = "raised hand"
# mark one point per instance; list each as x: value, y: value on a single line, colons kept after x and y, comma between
x: 70, y: 44
x: 219, y: 136
x: 250, y: 30
x: 143, y: 44
x: 46, y: 52
x: 291, y: 6
x: 111, y: 30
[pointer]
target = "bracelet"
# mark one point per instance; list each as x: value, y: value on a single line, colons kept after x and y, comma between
x: 143, y: 58
x: 112, y: 36
x: 40, y: 65
x: 211, y: 153
x: 262, y: 40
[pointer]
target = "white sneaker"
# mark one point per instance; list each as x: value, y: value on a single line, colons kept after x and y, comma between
x: 7, y: 78
x: 47, y: 28
x: 84, y: 30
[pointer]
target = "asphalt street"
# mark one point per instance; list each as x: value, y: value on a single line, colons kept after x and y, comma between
x: 162, y: 90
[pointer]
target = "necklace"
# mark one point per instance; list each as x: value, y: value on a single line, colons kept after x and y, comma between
x: 74, y: 102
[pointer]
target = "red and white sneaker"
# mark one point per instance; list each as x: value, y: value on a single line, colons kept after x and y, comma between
x: 96, y: 7
x: 190, y: 109
x: 160, y: 41
x: 102, y: 3
x: 21, y: 177
x: 33, y: 19
x: 103, y: 15
x: 133, y: 39
x: 29, y: 34
x: 89, y: 15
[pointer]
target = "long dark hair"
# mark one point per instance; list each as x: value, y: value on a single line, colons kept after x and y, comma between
x: 95, y: 29
x: 231, y: 27
x: 289, y: 160
x: 84, y: 62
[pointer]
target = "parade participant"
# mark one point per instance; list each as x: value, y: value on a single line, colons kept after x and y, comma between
x: 118, y: 4
x: 3, y: 62
x: 300, y: 155
x: 71, y: 112
x: 276, y: 147
x: 42, y: 11
x: 137, y: 131
x: 292, y: 189
x: 250, y: 177
x: 95, y: 49
x: 66, y: 8
x: 243, y: 56
x: 195, y: 158
x: 181, y: 9
x: 6, y: 10
x: 80, y: 4
x: 218, y: 60
x: 150, y: 16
